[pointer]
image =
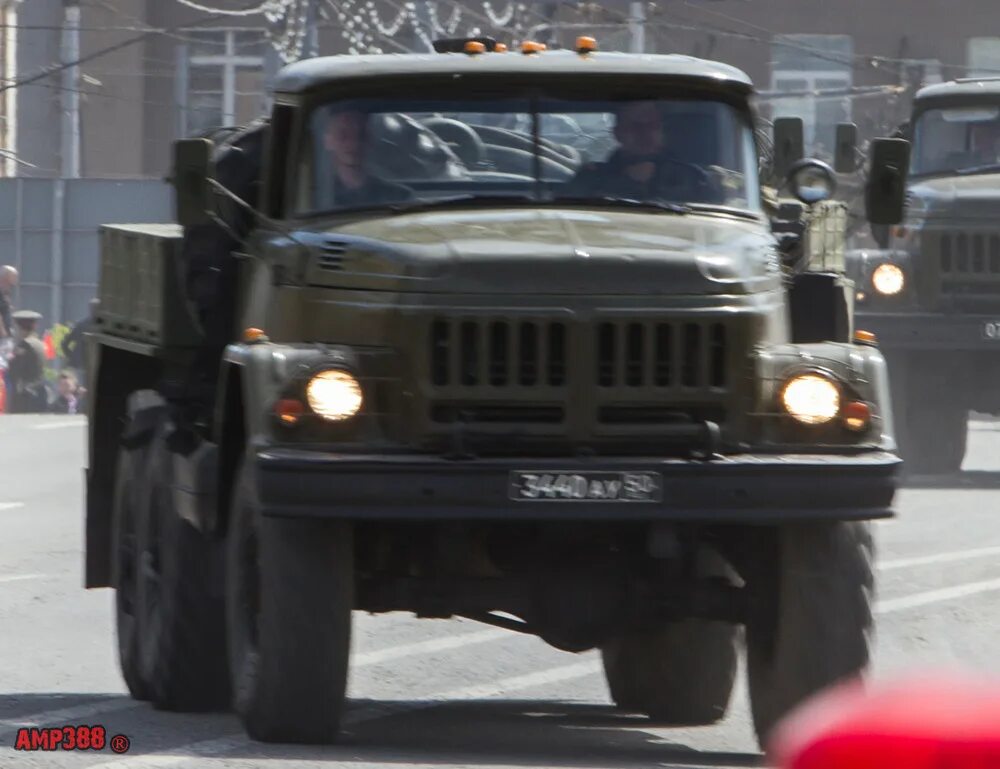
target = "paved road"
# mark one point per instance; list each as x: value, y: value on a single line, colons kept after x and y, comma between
x: 433, y: 693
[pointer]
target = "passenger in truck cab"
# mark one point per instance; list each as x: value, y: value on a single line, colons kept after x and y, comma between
x: 352, y: 184
x: 644, y: 167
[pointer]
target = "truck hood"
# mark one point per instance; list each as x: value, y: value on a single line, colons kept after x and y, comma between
x: 966, y: 198
x: 545, y: 251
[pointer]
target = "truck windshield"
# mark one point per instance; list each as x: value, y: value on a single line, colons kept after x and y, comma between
x: 382, y: 153
x: 957, y: 140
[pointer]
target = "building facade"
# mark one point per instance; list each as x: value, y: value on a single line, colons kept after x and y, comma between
x: 154, y: 70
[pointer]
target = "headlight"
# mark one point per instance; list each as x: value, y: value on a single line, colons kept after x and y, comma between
x: 812, y: 399
x: 888, y: 279
x: 334, y: 394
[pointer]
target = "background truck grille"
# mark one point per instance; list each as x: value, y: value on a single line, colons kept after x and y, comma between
x: 968, y: 265
x: 498, y: 353
x: 676, y: 354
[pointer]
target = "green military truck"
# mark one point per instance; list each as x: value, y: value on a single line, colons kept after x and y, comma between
x: 573, y: 389
x: 932, y: 292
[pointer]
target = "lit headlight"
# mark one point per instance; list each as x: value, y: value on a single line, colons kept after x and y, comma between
x: 334, y: 394
x: 812, y: 399
x: 888, y: 279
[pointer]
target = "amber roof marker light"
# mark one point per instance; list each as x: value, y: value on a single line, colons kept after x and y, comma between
x: 586, y: 45
x: 529, y: 47
x: 474, y: 48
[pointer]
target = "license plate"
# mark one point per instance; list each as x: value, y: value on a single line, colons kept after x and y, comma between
x: 528, y: 486
x: 991, y: 330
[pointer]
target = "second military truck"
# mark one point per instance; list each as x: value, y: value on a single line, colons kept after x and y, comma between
x: 933, y: 294
x: 424, y: 356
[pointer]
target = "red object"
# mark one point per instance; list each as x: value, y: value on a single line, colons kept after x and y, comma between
x: 943, y: 722
x: 3, y: 394
x: 50, y: 349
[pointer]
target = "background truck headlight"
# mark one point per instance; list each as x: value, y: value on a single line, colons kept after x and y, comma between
x: 811, y: 399
x: 334, y: 394
x: 888, y: 279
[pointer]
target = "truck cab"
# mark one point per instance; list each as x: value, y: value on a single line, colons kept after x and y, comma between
x: 481, y: 370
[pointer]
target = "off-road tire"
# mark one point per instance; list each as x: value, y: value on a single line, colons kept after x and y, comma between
x: 296, y: 577
x: 182, y: 612
x: 681, y: 673
x: 125, y: 565
x: 931, y: 429
x: 810, y: 621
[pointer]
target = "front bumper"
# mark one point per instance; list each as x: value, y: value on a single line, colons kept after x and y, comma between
x: 755, y: 489
x: 931, y: 331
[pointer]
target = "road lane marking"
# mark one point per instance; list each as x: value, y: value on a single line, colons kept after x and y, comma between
x: 927, y: 560
x: 21, y: 577
x: 219, y: 746
x: 429, y: 646
x: 59, y: 425
x: 375, y: 657
x: 11, y: 505
x: 936, y: 596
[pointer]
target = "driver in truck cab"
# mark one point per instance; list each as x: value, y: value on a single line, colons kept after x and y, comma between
x: 642, y: 168
x: 351, y: 184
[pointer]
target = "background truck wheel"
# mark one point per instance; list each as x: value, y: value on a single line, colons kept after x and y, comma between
x: 680, y: 673
x: 125, y: 566
x: 290, y: 592
x: 931, y: 429
x: 811, y: 618
x: 181, y: 611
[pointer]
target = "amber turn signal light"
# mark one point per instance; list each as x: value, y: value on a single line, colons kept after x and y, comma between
x: 251, y: 335
x: 289, y: 410
x: 865, y: 337
x: 857, y: 416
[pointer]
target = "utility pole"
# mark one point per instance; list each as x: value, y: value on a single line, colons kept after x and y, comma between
x: 637, y: 27
x: 311, y: 47
x: 70, y: 53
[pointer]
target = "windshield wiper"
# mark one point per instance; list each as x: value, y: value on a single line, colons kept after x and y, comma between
x: 610, y: 200
x: 978, y: 169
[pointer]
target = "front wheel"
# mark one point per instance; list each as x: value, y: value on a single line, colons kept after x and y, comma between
x: 811, y: 618
x: 289, y: 596
x: 679, y: 673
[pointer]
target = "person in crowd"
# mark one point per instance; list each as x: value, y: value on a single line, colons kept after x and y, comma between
x: 8, y: 282
x: 69, y: 395
x: 27, y: 393
x: 73, y: 347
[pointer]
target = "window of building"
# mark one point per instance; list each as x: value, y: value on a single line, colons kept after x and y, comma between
x: 221, y: 79
x: 983, y: 57
x: 816, y: 72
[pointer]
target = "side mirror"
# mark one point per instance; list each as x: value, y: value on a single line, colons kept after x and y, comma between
x: 789, y: 145
x: 812, y: 181
x: 845, y: 159
x: 193, y: 170
x: 885, y: 196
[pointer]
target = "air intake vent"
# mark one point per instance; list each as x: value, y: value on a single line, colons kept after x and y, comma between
x: 331, y: 255
x: 691, y: 355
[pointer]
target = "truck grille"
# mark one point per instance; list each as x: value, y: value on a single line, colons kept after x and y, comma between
x: 969, y: 264
x: 498, y: 353
x: 688, y: 355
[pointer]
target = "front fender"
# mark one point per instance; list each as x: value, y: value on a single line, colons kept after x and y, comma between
x: 263, y: 372
x: 861, y: 370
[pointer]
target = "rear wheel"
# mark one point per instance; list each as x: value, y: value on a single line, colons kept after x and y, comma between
x: 125, y: 568
x: 811, y: 617
x: 181, y: 610
x: 290, y: 593
x: 680, y: 673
